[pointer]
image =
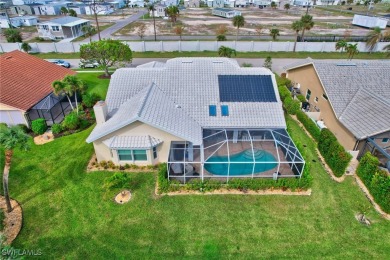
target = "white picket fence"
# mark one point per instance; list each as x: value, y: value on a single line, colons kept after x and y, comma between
x: 169, y: 46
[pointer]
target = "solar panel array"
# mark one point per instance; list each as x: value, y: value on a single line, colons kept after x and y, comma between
x: 246, y: 88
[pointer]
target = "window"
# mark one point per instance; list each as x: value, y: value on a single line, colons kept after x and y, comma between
x: 55, y: 28
x: 316, y: 99
x: 212, y: 110
x: 140, y: 155
x: 125, y: 155
x: 45, y: 27
x: 325, y: 96
x: 308, y: 93
x: 385, y: 140
x: 225, y: 110
x: 154, y: 152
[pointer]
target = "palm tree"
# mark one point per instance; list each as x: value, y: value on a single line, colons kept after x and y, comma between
x: 172, y: 12
x: 59, y: 88
x: 72, y: 13
x: 274, y: 33
x: 387, y: 48
x: 341, y: 45
x: 64, y: 10
x: 238, y: 21
x: 296, y: 26
x: 73, y: 85
x: 273, y: 5
x: 88, y: 30
x: 11, y: 138
x: 224, y: 51
x: 352, y: 49
x: 287, y: 7
x: 307, y: 21
x: 375, y: 36
x: 152, y: 9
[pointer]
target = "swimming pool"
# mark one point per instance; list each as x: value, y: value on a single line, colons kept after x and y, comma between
x: 245, y: 168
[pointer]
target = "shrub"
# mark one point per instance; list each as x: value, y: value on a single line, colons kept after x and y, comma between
x: 162, y: 179
x: 221, y: 38
x: 24, y: 128
x: 111, y: 164
x: 71, y: 121
x: 119, y: 180
x: 284, y: 92
x: 376, y: 181
x: 103, y: 164
x: 56, y: 128
x: 301, y: 98
x: 292, y: 106
x: 39, y: 126
x: 282, y: 81
x: 335, y: 155
x: 310, y: 126
x: 84, y: 124
x: 89, y: 100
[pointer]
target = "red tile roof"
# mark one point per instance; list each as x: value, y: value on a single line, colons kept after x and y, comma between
x: 26, y: 79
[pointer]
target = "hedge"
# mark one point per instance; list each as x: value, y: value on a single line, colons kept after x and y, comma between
x: 310, y: 126
x: 291, y: 105
x: 333, y: 152
x: 38, y: 126
x: 377, y: 181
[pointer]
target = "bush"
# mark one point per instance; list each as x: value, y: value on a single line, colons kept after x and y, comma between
x: 56, y: 128
x: 310, y: 126
x: 89, y: 100
x: 39, y: 126
x: 301, y: 98
x: 71, y: 121
x: 282, y: 81
x: 335, y: 155
x: 284, y: 92
x: 117, y: 180
x: 24, y: 128
x: 376, y: 181
x: 292, y: 106
x: 221, y: 38
x: 84, y: 124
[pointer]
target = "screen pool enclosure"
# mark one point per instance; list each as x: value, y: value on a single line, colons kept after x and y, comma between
x: 236, y: 153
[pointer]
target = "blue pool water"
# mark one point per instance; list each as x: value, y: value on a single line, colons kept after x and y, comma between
x: 237, y: 169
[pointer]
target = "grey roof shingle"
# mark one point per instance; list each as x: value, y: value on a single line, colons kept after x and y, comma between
x: 359, y: 93
x: 191, y: 84
x: 140, y: 142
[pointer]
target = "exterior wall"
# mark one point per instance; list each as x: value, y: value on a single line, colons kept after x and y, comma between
x: 21, y: 9
x: 11, y: 116
x: 137, y: 129
x: 308, y: 79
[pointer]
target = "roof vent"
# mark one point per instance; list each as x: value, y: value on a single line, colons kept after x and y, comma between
x: 217, y: 61
x: 178, y: 106
x: 8, y: 57
x: 186, y: 61
x: 346, y: 64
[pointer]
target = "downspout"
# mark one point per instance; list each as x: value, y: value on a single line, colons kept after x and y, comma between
x: 356, y: 145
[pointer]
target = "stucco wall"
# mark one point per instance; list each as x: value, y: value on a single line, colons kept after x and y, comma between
x: 11, y: 115
x: 137, y: 129
x: 308, y: 79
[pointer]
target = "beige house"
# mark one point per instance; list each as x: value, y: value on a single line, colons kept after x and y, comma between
x: 204, y: 117
x: 351, y: 98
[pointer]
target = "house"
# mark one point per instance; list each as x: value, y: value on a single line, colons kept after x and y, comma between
x: 18, y: 21
x: 216, y: 3
x: 169, y: 2
x: 224, y: 12
x: 370, y: 21
x: 26, y: 92
x: 49, y: 9
x: 78, y: 8
x: 215, y: 120
x: 159, y: 11
x: 26, y: 9
x: 191, y: 3
x: 101, y: 9
x: 352, y: 99
x: 62, y: 28
x: 116, y: 4
x: 136, y: 3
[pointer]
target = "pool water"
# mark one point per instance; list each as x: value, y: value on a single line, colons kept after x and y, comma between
x: 245, y: 168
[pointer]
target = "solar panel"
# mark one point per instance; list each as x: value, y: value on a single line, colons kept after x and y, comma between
x: 246, y: 88
x: 224, y: 110
x: 212, y: 110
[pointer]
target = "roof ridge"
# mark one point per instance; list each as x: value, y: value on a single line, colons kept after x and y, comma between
x: 379, y: 98
x: 349, y: 103
x: 144, y: 100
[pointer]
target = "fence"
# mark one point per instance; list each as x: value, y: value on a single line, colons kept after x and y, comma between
x: 169, y: 46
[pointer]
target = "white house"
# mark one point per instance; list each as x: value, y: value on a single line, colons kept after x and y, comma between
x: 159, y: 10
x: 49, y: 9
x: 19, y: 21
x: 369, y: 21
x: 101, y: 9
x: 136, y: 3
x: 116, y: 4
x: 62, y: 28
x: 216, y: 3
x: 224, y: 12
x: 191, y: 3
x: 170, y: 2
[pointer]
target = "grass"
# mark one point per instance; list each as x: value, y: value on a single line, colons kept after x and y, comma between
x: 2, y: 217
x: 249, y: 55
x: 95, y: 85
x: 67, y: 215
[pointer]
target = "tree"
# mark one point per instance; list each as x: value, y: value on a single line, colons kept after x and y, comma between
x: 287, y: 7
x: 179, y: 29
x: 25, y: 47
x: 268, y: 63
x: 152, y: 9
x: 224, y: 51
x: 172, y: 12
x: 12, y: 35
x: 352, y: 49
x: 341, y: 45
x: 74, y: 85
x: 307, y: 21
x: 274, y: 33
x: 141, y: 30
x: 349, y: 2
x: 64, y: 10
x: 221, y: 37
x: 221, y: 29
x: 95, y: 8
x: 238, y: 21
x: 88, y: 31
x: 10, y: 139
x: 296, y: 26
x: 59, y: 87
x: 259, y: 30
x: 375, y: 36
x: 106, y: 52
x: 72, y: 13
x: 273, y: 5
x: 387, y: 48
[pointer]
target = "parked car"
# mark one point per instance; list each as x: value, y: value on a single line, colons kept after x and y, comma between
x: 61, y: 63
x: 88, y: 64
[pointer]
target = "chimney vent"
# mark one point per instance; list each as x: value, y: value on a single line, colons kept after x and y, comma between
x: 100, y: 112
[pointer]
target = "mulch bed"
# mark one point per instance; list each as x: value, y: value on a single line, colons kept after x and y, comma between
x: 12, y: 221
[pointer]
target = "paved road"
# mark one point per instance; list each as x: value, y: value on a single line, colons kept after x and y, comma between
x: 105, y: 34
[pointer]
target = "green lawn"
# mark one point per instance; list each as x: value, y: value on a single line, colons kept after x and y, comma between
x: 67, y: 215
x: 95, y: 85
x: 2, y: 217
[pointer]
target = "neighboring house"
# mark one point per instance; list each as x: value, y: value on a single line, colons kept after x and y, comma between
x: 116, y: 4
x: 101, y: 9
x: 224, y: 12
x: 169, y: 2
x: 49, y: 9
x: 159, y: 11
x: 302, y: 3
x: 352, y: 99
x: 62, y: 28
x: 18, y: 21
x: 370, y: 21
x: 237, y: 3
x: 194, y: 114
x: 216, y: 3
x: 26, y: 92
x: 191, y: 3
x: 79, y: 8
x: 136, y: 3
x: 26, y: 9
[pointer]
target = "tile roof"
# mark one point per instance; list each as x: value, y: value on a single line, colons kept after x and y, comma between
x: 140, y: 142
x: 359, y: 93
x: 26, y: 79
x: 191, y: 84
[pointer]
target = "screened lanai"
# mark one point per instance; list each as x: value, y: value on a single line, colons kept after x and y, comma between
x: 236, y: 153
